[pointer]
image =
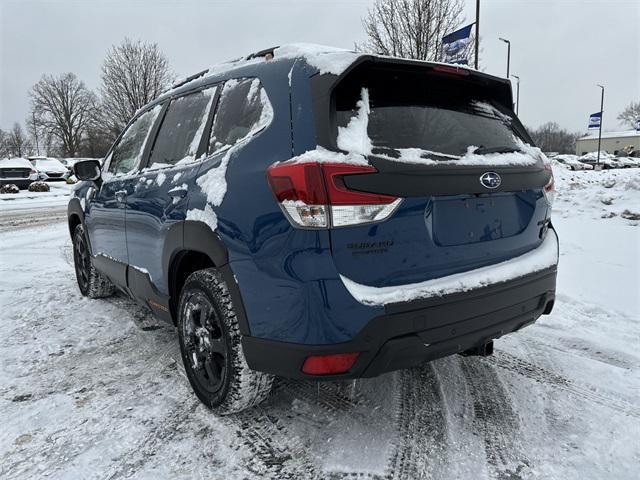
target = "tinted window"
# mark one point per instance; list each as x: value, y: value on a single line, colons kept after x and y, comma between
x: 127, y: 153
x: 182, y: 128
x: 243, y: 110
x: 449, y: 129
x: 423, y: 110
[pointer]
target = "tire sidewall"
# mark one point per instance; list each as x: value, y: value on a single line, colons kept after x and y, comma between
x: 212, y: 400
x: 79, y: 232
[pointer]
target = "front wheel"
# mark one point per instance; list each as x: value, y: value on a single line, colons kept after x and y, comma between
x: 91, y: 282
x: 210, y: 343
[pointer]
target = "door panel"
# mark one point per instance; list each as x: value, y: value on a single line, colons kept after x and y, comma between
x: 157, y: 198
x: 105, y: 217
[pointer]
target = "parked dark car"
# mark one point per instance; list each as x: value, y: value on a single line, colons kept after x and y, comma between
x: 321, y: 214
x: 17, y: 171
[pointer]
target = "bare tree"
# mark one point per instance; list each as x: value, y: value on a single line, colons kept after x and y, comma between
x: 411, y: 28
x: 133, y: 74
x: 16, y: 141
x: 3, y: 144
x: 630, y: 115
x: 64, y: 108
x: 550, y: 137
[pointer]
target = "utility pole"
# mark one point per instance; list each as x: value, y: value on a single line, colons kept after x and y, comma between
x: 35, y: 133
x: 477, y: 42
x: 518, y: 93
x: 600, y: 129
x: 508, y: 53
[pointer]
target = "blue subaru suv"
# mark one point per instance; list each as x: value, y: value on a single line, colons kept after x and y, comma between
x: 315, y: 213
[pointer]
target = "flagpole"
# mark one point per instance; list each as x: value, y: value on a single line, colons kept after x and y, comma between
x: 600, y: 129
x: 477, y: 39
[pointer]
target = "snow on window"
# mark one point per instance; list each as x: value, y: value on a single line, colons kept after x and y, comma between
x: 243, y: 110
x: 545, y: 256
x: 181, y: 129
x: 127, y: 154
x: 354, y: 137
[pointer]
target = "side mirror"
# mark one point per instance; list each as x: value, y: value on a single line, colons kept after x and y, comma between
x: 87, y: 170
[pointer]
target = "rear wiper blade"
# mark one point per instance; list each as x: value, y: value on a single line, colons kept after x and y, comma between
x: 500, y: 149
x: 391, y: 152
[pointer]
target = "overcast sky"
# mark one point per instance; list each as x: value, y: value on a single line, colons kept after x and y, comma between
x: 560, y: 48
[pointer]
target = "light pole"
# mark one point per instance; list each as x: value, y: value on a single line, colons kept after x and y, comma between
x: 518, y: 92
x: 477, y: 39
x: 600, y: 129
x: 508, y: 52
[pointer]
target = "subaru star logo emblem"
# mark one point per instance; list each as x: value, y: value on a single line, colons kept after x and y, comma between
x: 490, y: 180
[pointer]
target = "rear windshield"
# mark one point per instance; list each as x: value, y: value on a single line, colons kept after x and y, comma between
x: 439, y: 118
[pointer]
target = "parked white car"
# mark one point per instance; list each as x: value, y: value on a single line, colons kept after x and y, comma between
x: 49, y: 168
x: 18, y: 171
x: 572, y: 162
x: 606, y: 159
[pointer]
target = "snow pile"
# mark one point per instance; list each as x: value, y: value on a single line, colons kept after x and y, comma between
x: 325, y: 59
x: 545, y: 256
x: 526, y: 156
x: 354, y: 137
x: 206, y: 216
x: 322, y: 155
x: 598, y: 194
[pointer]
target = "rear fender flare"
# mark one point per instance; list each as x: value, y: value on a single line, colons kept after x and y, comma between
x: 193, y: 236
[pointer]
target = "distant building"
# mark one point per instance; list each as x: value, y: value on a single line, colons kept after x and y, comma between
x: 612, y: 142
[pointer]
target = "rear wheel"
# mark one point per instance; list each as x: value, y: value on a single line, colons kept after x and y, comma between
x: 211, y: 347
x: 91, y: 282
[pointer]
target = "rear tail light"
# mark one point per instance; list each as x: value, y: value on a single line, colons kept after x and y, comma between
x: 550, y: 187
x: 314, y: 195
x: 329, y: 364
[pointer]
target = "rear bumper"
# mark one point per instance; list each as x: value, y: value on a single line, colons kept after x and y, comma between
x: 411, y: 333
x: 19, y: 182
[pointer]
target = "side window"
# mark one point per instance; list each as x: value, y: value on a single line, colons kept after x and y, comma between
x: 127, y: 153
x: 182, y: 127
x: 243, y: 110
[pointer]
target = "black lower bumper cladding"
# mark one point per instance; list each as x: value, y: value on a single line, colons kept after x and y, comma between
x: 409, y: 334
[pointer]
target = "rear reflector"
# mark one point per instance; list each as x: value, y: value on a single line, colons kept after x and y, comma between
x: 314, y: 195
x: 329, y: 364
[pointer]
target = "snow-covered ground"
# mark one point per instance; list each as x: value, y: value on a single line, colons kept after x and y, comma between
x: 58, y: 196
x: 95, y: 388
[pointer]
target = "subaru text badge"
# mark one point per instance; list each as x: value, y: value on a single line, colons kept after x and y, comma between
x: 490, y: 180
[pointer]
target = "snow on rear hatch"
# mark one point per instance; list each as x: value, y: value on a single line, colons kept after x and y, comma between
x: 416, y: 126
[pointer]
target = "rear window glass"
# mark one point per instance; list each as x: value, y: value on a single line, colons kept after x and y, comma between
x: 181, y: 129
x: 392, y: 116
x: 243, y: 110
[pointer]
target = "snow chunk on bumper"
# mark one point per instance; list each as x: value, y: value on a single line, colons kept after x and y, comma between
x: 543, y: 257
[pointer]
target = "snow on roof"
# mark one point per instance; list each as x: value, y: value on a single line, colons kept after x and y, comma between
x: 15, y: 163
x: 626, y: 133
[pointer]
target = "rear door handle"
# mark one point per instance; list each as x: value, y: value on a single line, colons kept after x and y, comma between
x: 178, y: 192
x: 121, y: 196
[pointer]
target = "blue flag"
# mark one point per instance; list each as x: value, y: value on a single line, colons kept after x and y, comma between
x: 454, y: 46
x: 594, y: 120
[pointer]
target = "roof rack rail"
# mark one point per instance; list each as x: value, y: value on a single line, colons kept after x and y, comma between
x: 261, y: 53
x: 189, y: 79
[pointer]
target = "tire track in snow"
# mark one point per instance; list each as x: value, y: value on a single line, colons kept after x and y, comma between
x: 421, y: 423
x: 495, y: 419
x: 158, y: 437
x: 538, y: 374
x: 332, y: 397
x: 276, y: 452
